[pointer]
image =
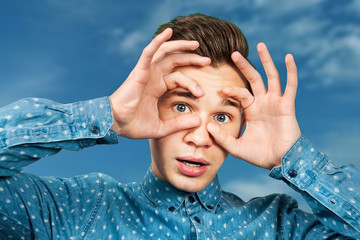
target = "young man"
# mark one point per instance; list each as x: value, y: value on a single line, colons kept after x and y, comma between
x: 191, y: 99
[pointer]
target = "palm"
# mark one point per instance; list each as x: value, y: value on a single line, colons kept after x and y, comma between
x: 134, y: 104
x: 266, y: 137
x: 271, y: 125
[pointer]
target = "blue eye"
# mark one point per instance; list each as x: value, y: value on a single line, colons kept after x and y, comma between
x: 221, y: 117
x: 180, y: 107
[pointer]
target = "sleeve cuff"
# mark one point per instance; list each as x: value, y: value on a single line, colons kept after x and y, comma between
x: 93, y: 118
x: 300, y: 164
x: 48, y: 121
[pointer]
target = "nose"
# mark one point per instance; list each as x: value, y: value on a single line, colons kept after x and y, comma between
x: 199, y: 136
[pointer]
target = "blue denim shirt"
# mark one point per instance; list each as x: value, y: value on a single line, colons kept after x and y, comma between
x: 97, y: 206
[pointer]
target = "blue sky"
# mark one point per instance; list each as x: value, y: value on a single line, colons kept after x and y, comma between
x: 74, y: 50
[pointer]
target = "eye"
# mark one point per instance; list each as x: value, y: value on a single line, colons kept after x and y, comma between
x: 181, y: 107
x: 222, y: 117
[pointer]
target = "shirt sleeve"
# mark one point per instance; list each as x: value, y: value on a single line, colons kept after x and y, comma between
x: 33, y: 128
x: 33, y: 207
x: 332, y: 192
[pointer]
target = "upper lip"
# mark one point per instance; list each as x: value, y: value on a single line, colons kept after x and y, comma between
x: 193, y: 159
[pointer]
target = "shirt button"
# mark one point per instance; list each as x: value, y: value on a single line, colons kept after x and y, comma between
x: 191, y: 199
x: 292, y: 173
x: 95, y: 129
x: 197, y: 219
x: 171, y: 209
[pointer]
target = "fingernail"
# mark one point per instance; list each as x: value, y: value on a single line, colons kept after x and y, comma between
x: 197, y: 44
x: 199, y: 90
x: 207, y: 59
x: 235, y: 53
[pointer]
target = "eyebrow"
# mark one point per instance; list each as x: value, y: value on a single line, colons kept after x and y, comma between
x: 228, y: 102
x: 188, y: 94
x: 185, y: 94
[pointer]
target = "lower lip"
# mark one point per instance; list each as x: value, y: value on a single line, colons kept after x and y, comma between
x: 191, y: 171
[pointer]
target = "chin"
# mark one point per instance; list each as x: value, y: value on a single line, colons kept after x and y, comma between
x: 189, y: 185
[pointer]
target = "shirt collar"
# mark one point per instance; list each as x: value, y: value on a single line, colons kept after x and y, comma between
x: 161, y: 193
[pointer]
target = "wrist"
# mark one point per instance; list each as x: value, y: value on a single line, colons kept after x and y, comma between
x: 115, y: 126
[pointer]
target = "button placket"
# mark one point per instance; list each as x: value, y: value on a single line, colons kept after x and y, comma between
x: 193, y: 209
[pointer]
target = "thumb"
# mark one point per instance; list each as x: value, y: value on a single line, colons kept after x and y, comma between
x: 178, y: 123
x: 229, y: 143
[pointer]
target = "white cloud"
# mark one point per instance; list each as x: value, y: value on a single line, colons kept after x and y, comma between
x: 352, y: 6
x: 335, y: 60
x: 342, y: 143
x: 132, y: 41
x: 123, y: 43
x: 329, y: 49
x: 84, y: 10
x: 30, y: 76
x: 285, y: 5
x: 126, y: 43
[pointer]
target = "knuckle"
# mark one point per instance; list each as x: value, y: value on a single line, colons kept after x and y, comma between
x: 175, y: 61
x: 177, y: 75
x: 161, y: 51
x: 155, y: 61
x: 146, y: 51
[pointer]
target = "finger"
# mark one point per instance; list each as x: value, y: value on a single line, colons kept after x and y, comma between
x: 292, y: 78
x: 178, y: 79
x: 174, y: 46
x: 229, y: 143
x: 242, y: 95
x: 272, y: 74
x: 149, y: 51
x: 249, y: 72
x: 178, y: 123
x: 183, y: 59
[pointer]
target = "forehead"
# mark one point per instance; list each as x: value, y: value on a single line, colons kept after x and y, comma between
x: 214, y: 78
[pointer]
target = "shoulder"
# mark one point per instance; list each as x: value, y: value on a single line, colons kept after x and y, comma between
x: 79, y: 182
x: 274, y: 200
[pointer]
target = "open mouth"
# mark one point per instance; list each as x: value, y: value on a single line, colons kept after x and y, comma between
x: 192, y: 164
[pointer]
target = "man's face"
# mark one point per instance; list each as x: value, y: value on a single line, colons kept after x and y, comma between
x: 189, y: 159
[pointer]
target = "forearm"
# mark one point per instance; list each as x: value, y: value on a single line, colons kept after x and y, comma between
x: 332, y: 192
x: 34, y: 128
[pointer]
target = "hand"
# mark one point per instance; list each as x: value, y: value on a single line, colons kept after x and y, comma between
x: 134, y: 104
x: 271, y: 125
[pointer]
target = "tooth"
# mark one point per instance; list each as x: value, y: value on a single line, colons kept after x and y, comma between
x: 192, y: 164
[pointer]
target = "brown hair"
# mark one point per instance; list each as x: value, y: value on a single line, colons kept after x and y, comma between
x: 218, y: 38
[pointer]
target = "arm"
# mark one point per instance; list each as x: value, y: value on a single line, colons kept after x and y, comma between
x: 331, y: 191
x: 35, y: 207
x: 34, y: 128
x: 272, y: 129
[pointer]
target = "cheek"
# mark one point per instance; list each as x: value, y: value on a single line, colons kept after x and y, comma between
x: 233, y: 129
x: 165, y: 146
x: 218, y: 154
